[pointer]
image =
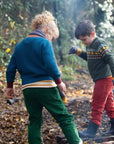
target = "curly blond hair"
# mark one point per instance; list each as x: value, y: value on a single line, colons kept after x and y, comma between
x: 43, y: 20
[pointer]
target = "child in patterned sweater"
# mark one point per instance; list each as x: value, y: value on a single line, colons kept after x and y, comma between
x: 100, y: 61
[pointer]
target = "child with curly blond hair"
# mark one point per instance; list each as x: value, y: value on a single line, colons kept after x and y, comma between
x: 34, y: 59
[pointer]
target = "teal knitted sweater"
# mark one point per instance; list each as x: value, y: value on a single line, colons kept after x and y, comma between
x: 34, y: 59
x: 100, y: 59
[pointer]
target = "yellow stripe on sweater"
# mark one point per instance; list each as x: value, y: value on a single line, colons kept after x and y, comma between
x: 40, y: 84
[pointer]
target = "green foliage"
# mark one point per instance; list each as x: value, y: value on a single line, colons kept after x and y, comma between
x: 11, y: 31
x: 4, y: 56
x: 10, y: 36
x: 67, y: 73
x: 16, y: 16
x: 106, y: 27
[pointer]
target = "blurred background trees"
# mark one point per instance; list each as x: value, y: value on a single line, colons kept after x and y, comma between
x: 16, y: 16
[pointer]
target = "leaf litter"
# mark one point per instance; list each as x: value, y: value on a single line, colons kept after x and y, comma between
x: 14, y: 118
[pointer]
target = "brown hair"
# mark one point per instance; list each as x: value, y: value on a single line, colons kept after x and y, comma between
x: 84, y: 28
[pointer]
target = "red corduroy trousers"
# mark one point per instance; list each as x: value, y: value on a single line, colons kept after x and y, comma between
x: 102, y: 100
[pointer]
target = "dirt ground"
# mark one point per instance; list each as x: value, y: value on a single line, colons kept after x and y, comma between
x: 14, y: 118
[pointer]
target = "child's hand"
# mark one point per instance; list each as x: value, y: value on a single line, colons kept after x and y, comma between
x: 62, y: 86
x: 73, y: 50
x: 9, y: 94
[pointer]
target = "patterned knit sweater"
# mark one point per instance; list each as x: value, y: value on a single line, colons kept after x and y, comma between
x: 100, y: 59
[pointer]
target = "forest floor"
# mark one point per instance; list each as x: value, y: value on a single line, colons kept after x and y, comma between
x: 14, y: 118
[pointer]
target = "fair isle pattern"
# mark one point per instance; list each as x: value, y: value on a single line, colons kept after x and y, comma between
x: 97, y: 54
x: 40, y: 84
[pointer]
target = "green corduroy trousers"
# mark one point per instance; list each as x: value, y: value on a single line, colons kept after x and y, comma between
x: 35, y: 100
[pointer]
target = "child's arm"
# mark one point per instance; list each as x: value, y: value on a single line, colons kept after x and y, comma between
x: 108, y: 57
x: 79, y: 52
x: 10, y: 76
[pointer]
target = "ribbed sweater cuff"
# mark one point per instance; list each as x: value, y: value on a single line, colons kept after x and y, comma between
x: 58, y: 81
x: 79, y: 51
x: 9, y: 84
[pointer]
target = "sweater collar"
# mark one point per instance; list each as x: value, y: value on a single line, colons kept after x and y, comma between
x: 38, y: 32
x: 95, y: 43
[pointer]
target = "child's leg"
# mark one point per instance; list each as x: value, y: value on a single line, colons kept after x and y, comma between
x: 35, y: 116
x: 101, y: 91
x: 109, y: 106
x: 50, y: 98
x: 56, y: 107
